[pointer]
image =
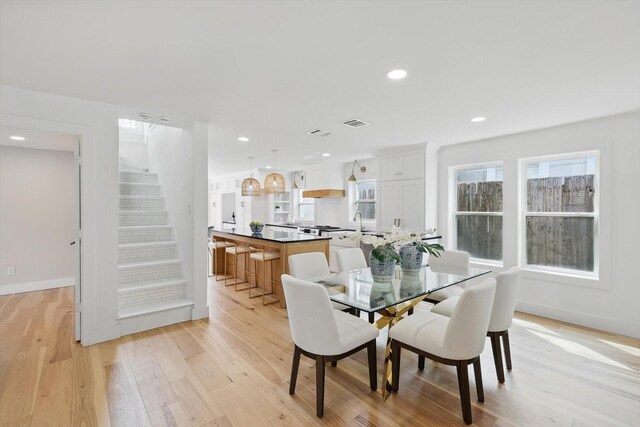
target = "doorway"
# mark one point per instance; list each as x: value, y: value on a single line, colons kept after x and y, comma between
x: 40, y: 213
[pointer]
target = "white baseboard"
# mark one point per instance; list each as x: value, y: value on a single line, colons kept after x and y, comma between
x: 41, y: 285
x: 596, y: 322
x: 201, y: 312
x: 149, y: 321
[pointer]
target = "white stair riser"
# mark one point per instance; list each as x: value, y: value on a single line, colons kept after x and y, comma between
x: 142, y: 203
x: 146, y: 253
x: 138, y: 177
x: 144, y: 235
x: 133, y: 297
x: 129, y: 275
x: 129, y: 189
x: 134, y: 218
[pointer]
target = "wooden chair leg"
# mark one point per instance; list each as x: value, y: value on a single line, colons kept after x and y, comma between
x: 395, y: 366
x: 497, y: 355
x: 294, y: 370
x: 371, y: 317
x: 421, y: 362
x: 410, y: 312
x: 334, y: 363
x: 319, y: 386
x: 371, y: 353
x: 463, y: 385
x: 507, y: 349
x: 477, y: 371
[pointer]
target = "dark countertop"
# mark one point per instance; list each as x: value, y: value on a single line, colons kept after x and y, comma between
x: 283, y: 225
x: 274, y: 236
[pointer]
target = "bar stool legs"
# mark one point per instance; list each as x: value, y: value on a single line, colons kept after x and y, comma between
x: 265, y: 257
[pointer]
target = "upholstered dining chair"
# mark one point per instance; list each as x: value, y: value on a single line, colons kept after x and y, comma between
x: 352, y: 259
x: 313, y: 266
x: 452, y: 262
x: 504, y: 304
x: 324, y: 334
x: 457, y: 340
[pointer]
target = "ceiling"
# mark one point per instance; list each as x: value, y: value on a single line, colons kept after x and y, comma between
x: 274, y: 70
x: 38, y: 139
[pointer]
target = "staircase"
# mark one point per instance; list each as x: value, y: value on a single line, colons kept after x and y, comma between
x: 151, y: 289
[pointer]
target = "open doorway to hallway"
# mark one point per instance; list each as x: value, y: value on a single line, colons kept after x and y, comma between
x: 40, y: 216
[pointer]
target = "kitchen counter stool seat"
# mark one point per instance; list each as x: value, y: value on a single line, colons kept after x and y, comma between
x: 264, y: 257
x: 235, y: 251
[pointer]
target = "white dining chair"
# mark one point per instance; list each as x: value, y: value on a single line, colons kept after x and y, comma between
x: 504, y: 305
x: 452, y: 262
x: 313, y: 266
x: 350, y: 259
x: 457, y: 340
x: 324, y: 334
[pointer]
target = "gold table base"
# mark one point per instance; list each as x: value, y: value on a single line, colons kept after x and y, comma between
x: 391, y: 316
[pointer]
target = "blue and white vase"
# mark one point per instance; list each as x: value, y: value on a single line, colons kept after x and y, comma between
x: 382, y: 271
x: 410, y: 258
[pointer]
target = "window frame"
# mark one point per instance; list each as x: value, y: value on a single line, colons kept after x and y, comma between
x: 453, y: 210
x: 299, y: 203
x: 353, y: 200
x: 523, y: 213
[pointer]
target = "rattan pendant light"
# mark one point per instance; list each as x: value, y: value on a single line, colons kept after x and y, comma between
x: 250, y: 186
x: 274, y: 182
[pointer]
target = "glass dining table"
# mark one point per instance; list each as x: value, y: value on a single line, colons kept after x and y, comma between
x: 393, y: 299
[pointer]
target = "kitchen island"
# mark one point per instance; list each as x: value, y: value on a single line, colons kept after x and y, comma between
x: 285, y: 242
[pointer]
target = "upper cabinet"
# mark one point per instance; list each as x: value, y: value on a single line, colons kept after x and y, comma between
x: 408, y: 165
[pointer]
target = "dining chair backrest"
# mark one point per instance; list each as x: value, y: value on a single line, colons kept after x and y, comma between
x: 454, y: 262
x: 313, y: 325
x: 467, y: 327
x: 504, y: 304
x: 350, y: 259
x: 308, y: 265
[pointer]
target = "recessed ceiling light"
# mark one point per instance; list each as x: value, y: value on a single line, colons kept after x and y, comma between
x: 478, y: 119
x: 145, y: 116
x: 326, y: 154
x: 17, y: 138
x: 164, y: 119
x: 268, y: 167
x: 397, y: 74
x: 243, y: 139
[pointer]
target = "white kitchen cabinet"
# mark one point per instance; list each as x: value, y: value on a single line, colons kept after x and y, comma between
x: 408, y: 165
x: 401, y: 202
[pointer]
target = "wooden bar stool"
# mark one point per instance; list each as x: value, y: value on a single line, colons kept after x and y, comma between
x: 264, y: 257
x: 213, y: 247
x: 234, y: 250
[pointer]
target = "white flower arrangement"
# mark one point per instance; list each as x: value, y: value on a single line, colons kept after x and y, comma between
x: 396, y: 237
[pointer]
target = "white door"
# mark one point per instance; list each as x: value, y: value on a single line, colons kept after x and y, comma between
x: 388, y: 168
x: 411, y: 204
x: 411, y: 165
x: 387, y: 204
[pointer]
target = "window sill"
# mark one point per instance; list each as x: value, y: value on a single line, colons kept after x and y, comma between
x: 477, y: 263
x: 564, y: 278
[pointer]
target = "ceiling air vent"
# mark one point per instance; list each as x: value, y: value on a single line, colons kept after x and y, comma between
x: 315, y: 131
x: 355, y: 123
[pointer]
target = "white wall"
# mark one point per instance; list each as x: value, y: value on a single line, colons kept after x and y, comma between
x: 37, y: 218
x: 610, y: 303
x: 97, y: 126
x: 177, y: 156
x: 134, y: 155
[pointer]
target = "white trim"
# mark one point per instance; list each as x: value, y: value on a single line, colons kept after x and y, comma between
x: 201, y: 312
x: 600, y: 323
x: 41, y: 285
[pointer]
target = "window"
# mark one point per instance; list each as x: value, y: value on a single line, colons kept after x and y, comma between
x: 477, y: 211
x: 362, y: 198
x: 306, y: 208
x: 560, y: 213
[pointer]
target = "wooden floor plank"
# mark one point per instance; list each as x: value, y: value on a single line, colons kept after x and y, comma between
x: 233, y: 369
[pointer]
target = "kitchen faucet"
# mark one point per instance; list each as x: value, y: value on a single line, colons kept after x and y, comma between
x: 358, y: 214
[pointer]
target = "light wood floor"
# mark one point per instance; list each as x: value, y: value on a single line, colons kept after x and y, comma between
x: 233, y: 370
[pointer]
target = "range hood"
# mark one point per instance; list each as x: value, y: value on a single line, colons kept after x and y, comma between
x: 322, y: 193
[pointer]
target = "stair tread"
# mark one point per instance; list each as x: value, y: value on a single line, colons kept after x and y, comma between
x: 153, y: 284
x: 128, y: 196
x: 131, y: 227
x: 161, y: 242
x: 140, y: 310
x: 151, y: 263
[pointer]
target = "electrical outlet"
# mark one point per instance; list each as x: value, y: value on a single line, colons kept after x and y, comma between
x: 11, y: 271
